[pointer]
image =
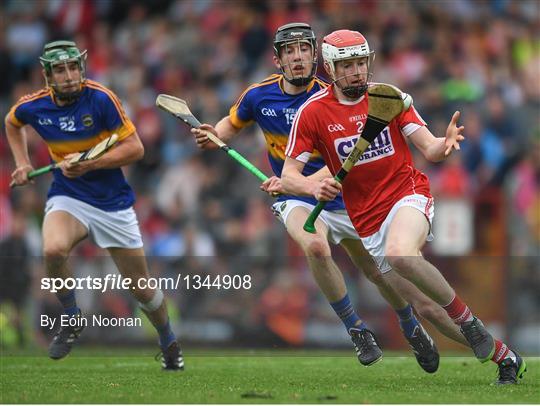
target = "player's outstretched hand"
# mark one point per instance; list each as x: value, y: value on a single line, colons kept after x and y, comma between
x: 273, y: 186
x: 202, y: 139
x: 76, y: 169
x: 19, y: 176
x: 327, y: 190
x: 454, y: 135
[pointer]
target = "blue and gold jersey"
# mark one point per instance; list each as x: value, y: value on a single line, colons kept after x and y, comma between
x: 268, y: 105
x: 96, y: 115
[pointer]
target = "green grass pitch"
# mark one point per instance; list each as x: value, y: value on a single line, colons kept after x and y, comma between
x: 94, y: 376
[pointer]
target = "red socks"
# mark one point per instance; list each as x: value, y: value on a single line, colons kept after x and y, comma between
x: 458, y: 311
x: 501, y: 352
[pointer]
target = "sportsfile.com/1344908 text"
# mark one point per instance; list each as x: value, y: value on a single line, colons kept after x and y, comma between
x: 181, y: 281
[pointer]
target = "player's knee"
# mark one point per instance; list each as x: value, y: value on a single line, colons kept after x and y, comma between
x: 54, y: 251
x: 317, y: 248
x: 399, y: 258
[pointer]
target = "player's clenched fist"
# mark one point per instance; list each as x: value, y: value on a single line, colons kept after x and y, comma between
x: 327, y: 189
x: 20, y: 175
x: 201, y: 136
x: 75, y: 169
x: 272, y: 186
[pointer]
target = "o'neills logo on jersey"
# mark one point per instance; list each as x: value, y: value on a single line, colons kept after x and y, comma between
x: 381, y: 147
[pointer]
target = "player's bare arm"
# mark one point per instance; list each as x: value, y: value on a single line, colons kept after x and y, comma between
x: 295, y: 182
x: 126, y: 152
x: 436, y: 149
x: 224, y: 130
x: 275, y: 185
x: 17, y: 142
x: 321, y: 174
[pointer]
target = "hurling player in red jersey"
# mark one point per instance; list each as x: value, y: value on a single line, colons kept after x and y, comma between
x: 384, y: 193
x: 272, y: 104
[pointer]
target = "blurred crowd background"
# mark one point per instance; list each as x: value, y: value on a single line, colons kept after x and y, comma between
x: 201, y: 213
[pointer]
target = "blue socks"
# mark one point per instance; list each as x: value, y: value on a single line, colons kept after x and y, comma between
x: 166, y: 335
x: 407, y: 320
x: 346, y: 313
x: 69, y: 303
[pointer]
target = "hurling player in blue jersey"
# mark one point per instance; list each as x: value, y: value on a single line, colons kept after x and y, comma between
x: 88, y: 199
x: 272, y: 104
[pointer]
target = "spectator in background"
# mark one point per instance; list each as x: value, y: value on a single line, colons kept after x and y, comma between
x: 526, y: 196
x: 202, y: 51
x: 483, y: 152
x: 15, y: 279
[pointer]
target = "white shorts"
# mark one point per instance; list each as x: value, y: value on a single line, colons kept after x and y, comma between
x: 108, y: 229
x: 338, y: 222
x: 375, y: 244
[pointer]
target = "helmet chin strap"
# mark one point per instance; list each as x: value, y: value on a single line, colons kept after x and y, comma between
x: 355, y: 92
x: 298, y: 82
x: 301, y: 81
x: 67, y: 97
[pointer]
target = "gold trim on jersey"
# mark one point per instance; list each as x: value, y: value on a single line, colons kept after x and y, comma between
x: 235, y: 121
x: 315, y: 79
x: 128, y: 124
x: 277, y: 143
x: 59, y: 149
x: 125, y: 131
x: 233, y: 115
x: 25, y: 99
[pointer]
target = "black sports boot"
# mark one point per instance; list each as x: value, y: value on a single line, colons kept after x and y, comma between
x: 171, y: 358
x: 365, y: 344
x: 424, y: 349
x: 480, y: 340
x: 64, y: 339
x: 510, y: 371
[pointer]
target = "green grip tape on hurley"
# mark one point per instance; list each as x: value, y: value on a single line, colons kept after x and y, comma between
x: 246, y: 164
x: 41, y: 171
x: 309, y: 225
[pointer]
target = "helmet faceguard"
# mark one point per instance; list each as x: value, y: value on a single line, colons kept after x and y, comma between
x: 62, y: 52
x: 295, y: 33
x: 342, y: 45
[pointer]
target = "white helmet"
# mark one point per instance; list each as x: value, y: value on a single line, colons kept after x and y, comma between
x: 346, y: 44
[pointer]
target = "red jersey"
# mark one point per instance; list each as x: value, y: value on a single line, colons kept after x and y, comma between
x: 384, y: 173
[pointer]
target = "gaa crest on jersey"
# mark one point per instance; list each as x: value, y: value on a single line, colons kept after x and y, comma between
x: 381, y: 147
x: 87, y: 120
x: 45, y: 121
x: 269, y: 112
